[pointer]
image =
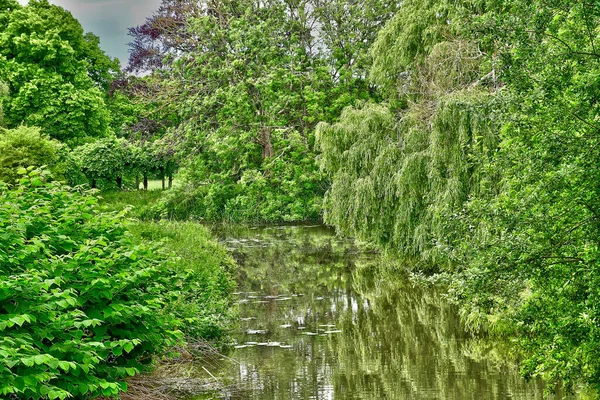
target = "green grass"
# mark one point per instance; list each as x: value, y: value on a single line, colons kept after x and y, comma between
x: 210, y: 267
x: 157, y: 184
x: 141, y: 202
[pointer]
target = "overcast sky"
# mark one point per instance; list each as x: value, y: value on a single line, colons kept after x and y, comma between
x: 109, y: 19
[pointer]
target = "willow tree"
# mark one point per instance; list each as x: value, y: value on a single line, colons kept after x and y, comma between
x: 534, y: 248
x: 486, y: 162
x: 401, y: 172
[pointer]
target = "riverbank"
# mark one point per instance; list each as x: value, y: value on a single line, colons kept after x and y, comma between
x: 303, y: 292
x: 206, y: 265
x: 183, y: 204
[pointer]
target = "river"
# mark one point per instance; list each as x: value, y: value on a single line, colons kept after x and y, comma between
x: 321, y: 319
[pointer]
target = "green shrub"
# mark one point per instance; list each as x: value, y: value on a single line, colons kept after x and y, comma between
x: 26, y: 146
x: 106, y: 159
x: 81, y: 305
x: 247, y: 201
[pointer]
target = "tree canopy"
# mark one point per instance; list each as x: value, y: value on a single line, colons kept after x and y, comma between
x: 249, y: 81
x: 56, y: 75
x: 482, y: 162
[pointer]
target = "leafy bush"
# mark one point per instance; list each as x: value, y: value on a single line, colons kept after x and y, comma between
x: 24, y: 147
x: 253, y: 199
x: 110, y: 163
x: 81, y: 306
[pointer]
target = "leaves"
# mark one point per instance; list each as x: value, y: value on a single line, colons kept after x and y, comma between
x: 24, y: 147
x: 483, y: 162
x: 248, y: 82
x: 56, y: 342
x: 53, y: 72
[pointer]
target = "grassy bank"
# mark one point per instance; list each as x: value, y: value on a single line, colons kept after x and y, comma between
x: 91, y: 302
x: 204, y: 301
x: 196, y: 256
x: 140, y: 202
x: 206, y: 265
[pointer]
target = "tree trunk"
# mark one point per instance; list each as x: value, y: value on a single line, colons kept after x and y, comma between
x: 163, y: 182
x: 265, y: 141
x: 170, y: 181
x: 93, y: 183
x: 137, y: 182
x: 120, y: 182
x: 145, y: 182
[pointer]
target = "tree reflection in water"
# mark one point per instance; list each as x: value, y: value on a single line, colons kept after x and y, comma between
x: 321, y: 319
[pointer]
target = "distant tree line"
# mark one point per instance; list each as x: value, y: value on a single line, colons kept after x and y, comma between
x: 58, y: 107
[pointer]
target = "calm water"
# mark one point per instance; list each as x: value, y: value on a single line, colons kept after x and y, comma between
x: 320, y: 319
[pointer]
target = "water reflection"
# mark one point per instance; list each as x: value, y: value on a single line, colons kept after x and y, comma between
x: 320, y: 319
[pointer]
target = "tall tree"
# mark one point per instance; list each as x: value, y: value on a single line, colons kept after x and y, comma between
x: 534, y: 262
x: 249, y: 81
x: 484, y: 162
x: 401, y: 170
x: 56, y: 74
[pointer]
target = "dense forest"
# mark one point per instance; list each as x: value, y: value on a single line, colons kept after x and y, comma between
x: 459, y: 138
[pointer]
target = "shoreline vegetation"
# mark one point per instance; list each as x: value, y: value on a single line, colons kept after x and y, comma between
x: 93, y: 300
x: 457, y: 137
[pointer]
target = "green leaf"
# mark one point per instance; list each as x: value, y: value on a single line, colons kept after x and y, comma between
x: 28, y: 361
x: 128, y: 347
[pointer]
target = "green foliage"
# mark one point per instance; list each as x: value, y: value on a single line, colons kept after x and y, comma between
x: 249, y: 86
x: 284, y: 192
x: 109, y: 161
x: 152, y: 159
x: 401, y: 172
x: 400, y: 184
x: 24, y: 147
x: 82, y: 306
x: 406, y: 40
x: 204, y: 269
x: 3, y: 94
x: 485, y: 163
x: 257, y: 107
x: 104, y: 159
x: 534, y: 261
x: 55, y: 73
